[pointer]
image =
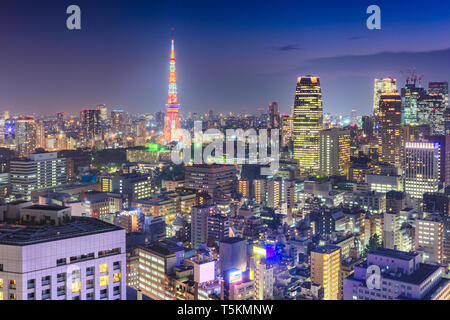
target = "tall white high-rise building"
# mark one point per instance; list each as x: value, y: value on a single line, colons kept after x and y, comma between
x: 264, y: 279
x: 422, y: 168
x: 199, y: 223
x: 429, y: 239
x: 393, y: 236
x: 37, y: 171
x: 59, y: 257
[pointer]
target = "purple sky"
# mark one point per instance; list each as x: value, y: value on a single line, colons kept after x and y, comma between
x: 230, y: 54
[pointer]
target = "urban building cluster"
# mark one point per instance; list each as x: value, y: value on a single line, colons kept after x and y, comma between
x: 92, y: 206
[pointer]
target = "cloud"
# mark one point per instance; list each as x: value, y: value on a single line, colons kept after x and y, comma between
x: 433, y: 64
x: 288, y: 47
x: 354, y: 38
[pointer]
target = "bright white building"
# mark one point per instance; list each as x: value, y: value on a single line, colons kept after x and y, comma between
x: 422, y: 165
x: 79, y: 259
x: 37, y: 171
x: 264, y: 280
x: 429, y: 239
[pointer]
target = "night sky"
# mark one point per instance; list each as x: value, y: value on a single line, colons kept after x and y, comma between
x: 230, y: 54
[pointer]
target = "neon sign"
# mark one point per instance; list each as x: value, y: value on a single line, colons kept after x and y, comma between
x: 235, y: 275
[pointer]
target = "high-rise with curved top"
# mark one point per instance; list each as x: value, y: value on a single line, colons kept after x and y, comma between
x: 308, y: 122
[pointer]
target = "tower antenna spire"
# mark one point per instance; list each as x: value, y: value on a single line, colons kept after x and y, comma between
x: 172, y: 119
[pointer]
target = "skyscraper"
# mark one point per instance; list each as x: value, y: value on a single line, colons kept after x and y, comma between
x: 40, y: 135
x: 447, y: 121
x: 274, y: 192
x: 218, y: 227
x: 286, y: 129
x: 172, y: 119
x: 429, y: 239
x: 325, y: 270
x: 440, y: 88
x: 244, y: 187
x: 263, y: 274
x: 90, y: 125
x: 117, y: 121
x: 60, y: 121
x: 260, y: 190
x: 334, y: 151
x: 390, y: 130
x: 159, y: 119
x: 308, y: 122
x: 156, y: 260
x: 422, y: 168
x: 274, y: 116
x: 217, y: 180
x: 410, y: 94
x: 79, y: 258
x: 386, y: 85
x: 25, y: 136
x: 367, y: 125
x: 393, y: 232
x: 36, y: 172
x: 199, y: 223
x: 444, y: 151
x: 430, y: 111
x: 103, y: 112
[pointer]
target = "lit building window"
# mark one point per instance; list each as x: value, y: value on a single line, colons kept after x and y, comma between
x: 117, y: 277
x: 76, y: 287
x: 104, y: 268
x: 104, y: 281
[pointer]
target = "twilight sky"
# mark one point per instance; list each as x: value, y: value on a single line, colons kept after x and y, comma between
x: 231, y: 54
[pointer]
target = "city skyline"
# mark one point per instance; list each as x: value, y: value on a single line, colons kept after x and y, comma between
x: 228, y: 58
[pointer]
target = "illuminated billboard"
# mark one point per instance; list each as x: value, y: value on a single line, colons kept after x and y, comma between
x: 259, y: 251
x: 235, y: 275
x: 267, y: 252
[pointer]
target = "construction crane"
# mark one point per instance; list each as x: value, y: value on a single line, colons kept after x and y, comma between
x: 412, y: 77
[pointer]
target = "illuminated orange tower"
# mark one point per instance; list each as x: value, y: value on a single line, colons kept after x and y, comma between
x: 172, y: 118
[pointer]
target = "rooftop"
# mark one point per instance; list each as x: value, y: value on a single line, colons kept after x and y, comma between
x: 209, y: 166
x: 52, y: 207
x: 17, y: 202
x: 162, y: 250
x: 436, y: 289
x: 18, y: 235
x: 66, y: 187
x: 394, y: 253
x: 232, y: 240
x: 417, y: 277
x: 326, y: 249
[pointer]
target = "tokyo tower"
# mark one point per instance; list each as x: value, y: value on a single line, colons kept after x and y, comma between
x: 172, y: 118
